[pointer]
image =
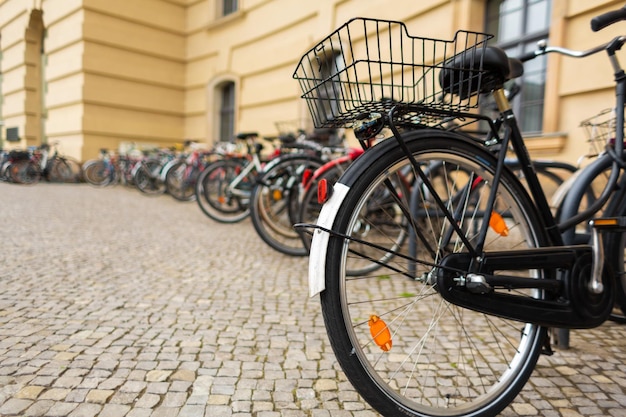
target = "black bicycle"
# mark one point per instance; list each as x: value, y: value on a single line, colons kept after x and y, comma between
x: 455, y: 325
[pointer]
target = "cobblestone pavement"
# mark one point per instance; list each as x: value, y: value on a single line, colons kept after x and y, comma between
x: 113, y: 303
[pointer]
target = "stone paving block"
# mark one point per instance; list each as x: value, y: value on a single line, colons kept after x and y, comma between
x: 146, y: 308
x: 30, y: 392
x: 61, y: 409
x: 99, y: 396
x: 15, y: 406
x: 86, y: 410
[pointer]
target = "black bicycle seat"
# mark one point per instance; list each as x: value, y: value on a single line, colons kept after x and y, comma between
x: 460, y: 75
x: 247, y: 135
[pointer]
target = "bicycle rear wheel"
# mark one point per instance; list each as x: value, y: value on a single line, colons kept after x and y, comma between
x: 440, y: 359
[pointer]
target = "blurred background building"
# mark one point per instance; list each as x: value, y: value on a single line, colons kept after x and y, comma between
x: 93, y: 74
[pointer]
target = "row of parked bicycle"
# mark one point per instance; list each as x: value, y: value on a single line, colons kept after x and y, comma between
x: 31, y: 165
x: 229, y: 182
x: 234, y: 181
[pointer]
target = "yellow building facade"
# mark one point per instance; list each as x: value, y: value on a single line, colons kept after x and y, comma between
x: 92, y: 74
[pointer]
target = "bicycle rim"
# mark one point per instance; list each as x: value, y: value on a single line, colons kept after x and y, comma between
x: 147, y: 178
x: 275, y: 200
x: 99, y: 173
x: 215, y: 196
x: 440, y: 360
x: 60, y: 171
x: 24, y: 172
x: 180, y: 181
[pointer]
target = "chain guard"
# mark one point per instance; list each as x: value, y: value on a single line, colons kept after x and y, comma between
x: 568, y: 304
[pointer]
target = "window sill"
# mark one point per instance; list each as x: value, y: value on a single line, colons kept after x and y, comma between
x: 225, y: 20
x: 546, y: 143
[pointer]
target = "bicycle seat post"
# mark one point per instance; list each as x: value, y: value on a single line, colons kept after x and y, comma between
x: 501, y: 100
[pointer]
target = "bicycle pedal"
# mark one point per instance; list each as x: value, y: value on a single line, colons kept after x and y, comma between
x: 613, y: 224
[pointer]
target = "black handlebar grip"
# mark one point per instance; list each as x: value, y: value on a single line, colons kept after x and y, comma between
x: 606, y: 19
x: 527, y: 56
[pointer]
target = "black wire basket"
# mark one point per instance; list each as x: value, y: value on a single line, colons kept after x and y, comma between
x: 372, y: 65
x: 600, y: 131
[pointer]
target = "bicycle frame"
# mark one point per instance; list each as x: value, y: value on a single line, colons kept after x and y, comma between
x: 253, y: 164
x: 481, y: 285
x: 553, y: 259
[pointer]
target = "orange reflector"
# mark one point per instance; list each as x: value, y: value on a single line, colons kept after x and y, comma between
x: 277, y: 195
x: 322, y: 191
x: 605, y: 222
x: 496, y: 222
x: 221, y: 199
x: 380, y: 332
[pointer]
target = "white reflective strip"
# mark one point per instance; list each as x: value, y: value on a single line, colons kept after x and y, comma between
x: 317, y: 256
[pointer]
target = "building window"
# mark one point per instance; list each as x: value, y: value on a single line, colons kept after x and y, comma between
x: 229, y: 6
x: 329, y: 66
x: 226, y: 93
x: 517, y: 26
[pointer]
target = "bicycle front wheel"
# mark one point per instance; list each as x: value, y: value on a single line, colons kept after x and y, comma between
x: 59, y: 170
x: 24, y: 172
x: 180, y: 181
x: 217, y: 194
x: 99, y: 173
x: 404, y: 348
x: 274, y: 202
x: 147, y: 177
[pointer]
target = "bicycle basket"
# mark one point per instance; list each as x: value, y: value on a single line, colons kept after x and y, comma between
x: 600, y: 131
x: 371, y: 65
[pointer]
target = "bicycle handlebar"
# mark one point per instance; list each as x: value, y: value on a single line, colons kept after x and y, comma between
x: 597, y: 23
x: 606, y: 19
x: 543, y: 48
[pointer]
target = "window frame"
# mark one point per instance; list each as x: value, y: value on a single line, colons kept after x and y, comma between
x: 525, y: 43
x: 229, y: 7
x: 226, y: 92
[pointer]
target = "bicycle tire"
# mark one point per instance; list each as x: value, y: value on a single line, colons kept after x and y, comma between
x: 310, y: 206
x: 447, y: 361
x: 180, y: 181
x: 274, y: 200
x: 615, y: 252
x: 147, y: 178
x: 58, y: 170
x: 99, y: 173
x: 74, y: 168
x: 214, y: 195
x: 582, y: 190
x: 24, y: 172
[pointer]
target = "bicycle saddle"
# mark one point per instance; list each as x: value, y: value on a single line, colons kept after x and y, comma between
x: 460, y: 74
x: 247, y: 135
